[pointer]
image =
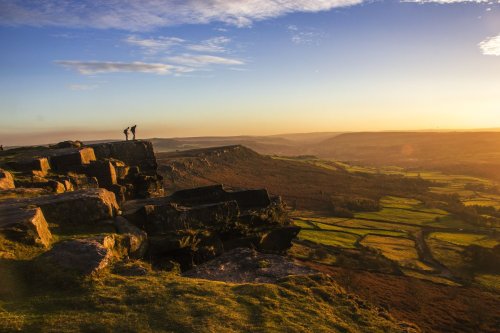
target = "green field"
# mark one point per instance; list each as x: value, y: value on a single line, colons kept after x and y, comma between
x: 398, y: 249
x: 392, y: 230
x: 462, y: 239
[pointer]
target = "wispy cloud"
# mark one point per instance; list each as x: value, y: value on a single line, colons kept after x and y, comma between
x: 133, y: 15
x: 451, y: 1
x: 203, y: 60
x: 304, y: 36
x: 491, y: 46
x: 214, y: 45
x: 82, y: 87
x: 154, y: 45
x: 99, y: 67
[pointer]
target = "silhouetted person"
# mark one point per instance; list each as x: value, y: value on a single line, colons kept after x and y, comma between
x: 125, y: 131
x: 132, y: 129
x: 1, y: 147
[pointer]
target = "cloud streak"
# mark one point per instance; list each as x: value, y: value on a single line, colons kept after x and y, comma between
x: 154, y: 45
x: 100, y: 67
x: 490, y: 46
x: 133, y: 15
x: 203, y: 60
x: 447, y: 1
x: 212, y: 45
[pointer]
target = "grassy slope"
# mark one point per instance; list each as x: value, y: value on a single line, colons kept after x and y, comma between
x: 162, y: 302
x: 435, y: 307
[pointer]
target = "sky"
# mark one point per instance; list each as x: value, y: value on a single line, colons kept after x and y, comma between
x: 88, y: 69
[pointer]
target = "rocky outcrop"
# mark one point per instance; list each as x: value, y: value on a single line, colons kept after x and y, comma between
x: 6, y: 180
x: 189, y: 227
x: 243, y: 265
x: 127, y: 168
x: 196, y: 225
x: 25, y: 225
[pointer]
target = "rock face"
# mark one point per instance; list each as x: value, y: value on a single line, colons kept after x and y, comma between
x: 196, y: 225
x: 6, y: 180
x: 243, y: 265
x: 25, y: 225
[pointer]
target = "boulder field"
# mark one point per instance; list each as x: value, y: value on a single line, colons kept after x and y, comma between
x: 56, y: 197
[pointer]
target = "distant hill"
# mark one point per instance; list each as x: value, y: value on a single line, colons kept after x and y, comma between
x: 302, y: 185
x: 476, y: 153
x: 282, y: 144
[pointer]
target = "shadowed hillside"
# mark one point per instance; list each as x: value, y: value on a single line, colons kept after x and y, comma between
x: 303, y: 186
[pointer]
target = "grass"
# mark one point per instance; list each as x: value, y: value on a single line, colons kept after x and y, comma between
x: 162, y: 302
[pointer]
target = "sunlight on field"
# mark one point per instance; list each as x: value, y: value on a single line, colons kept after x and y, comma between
x: 377, y: 225
x: 446, y: 253
x: 310, y: 224
x: 429, y: 277
x: 489, y: 281
x: 465, y: 239
x: 398, y: 249
x: 398, y: 215
x: 331, y: 238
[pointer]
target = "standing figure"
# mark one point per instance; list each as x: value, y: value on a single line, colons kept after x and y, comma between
x: 125, y: 131
x: 132, y: 129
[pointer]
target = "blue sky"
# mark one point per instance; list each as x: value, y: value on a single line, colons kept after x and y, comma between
x: 87, y: 69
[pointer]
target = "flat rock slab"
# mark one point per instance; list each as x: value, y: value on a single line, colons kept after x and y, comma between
x: 246, y: 199
x: 81, y: 256
x: 242, y: 265
x: 78, y: 207
x: 134, y: 153
x: 26, y: 225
